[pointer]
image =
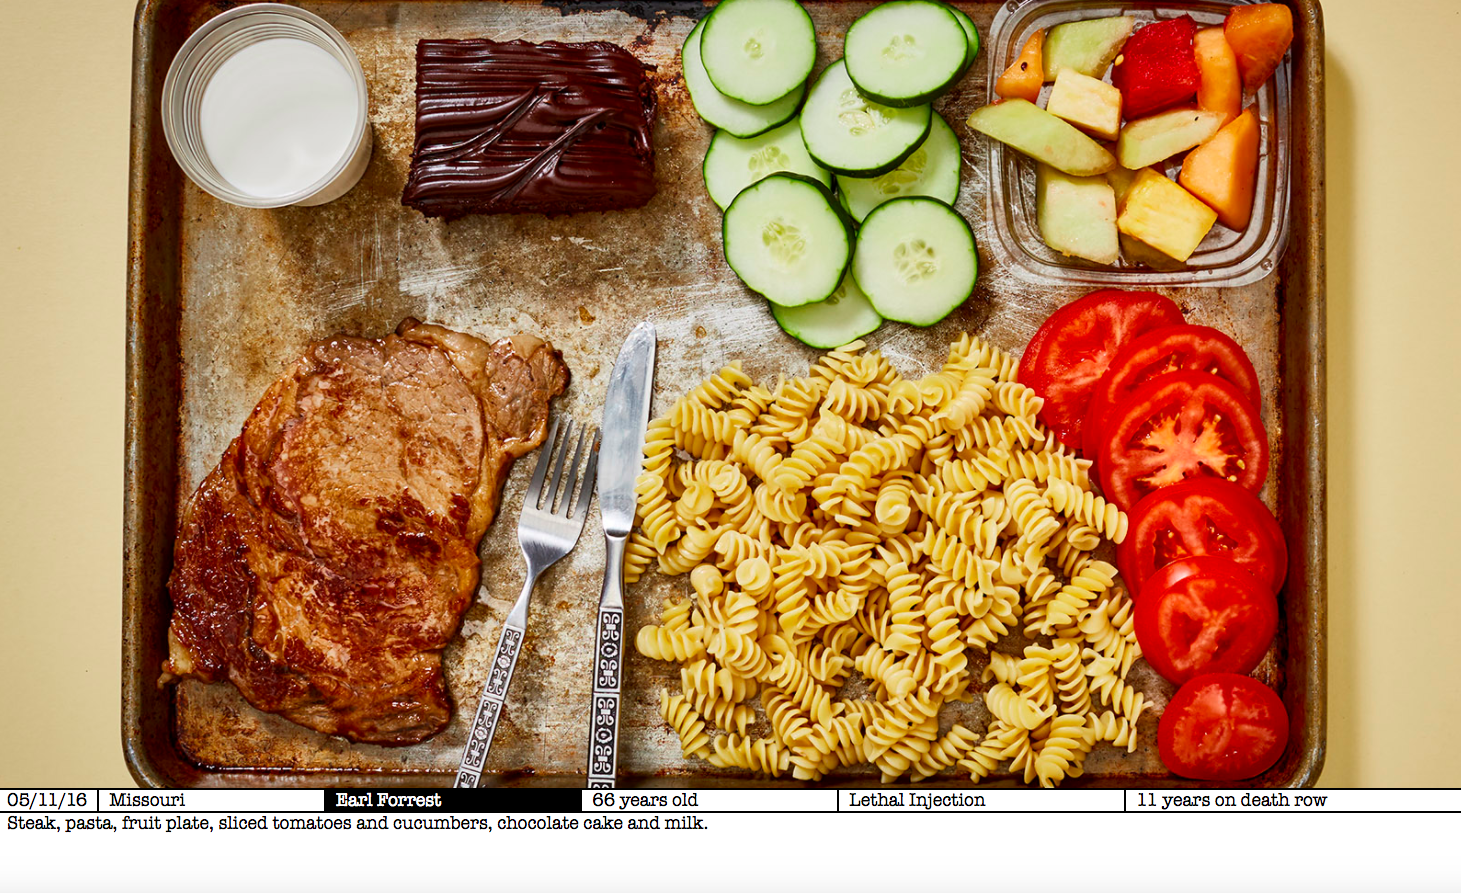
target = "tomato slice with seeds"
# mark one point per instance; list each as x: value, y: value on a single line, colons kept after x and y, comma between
x: 1204, y: 615
x: 1222, y: 727
x: 1173, y: 349
x: 1202, y: 516
x: 1073, y: 349
x: 1179, y: 426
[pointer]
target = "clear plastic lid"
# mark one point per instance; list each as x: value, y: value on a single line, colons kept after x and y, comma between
x: 1225, y: 257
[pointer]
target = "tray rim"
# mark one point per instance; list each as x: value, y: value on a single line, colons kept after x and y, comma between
x: 1305, y: 434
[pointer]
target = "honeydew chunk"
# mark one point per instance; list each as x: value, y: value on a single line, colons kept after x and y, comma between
x: 1157, y: 138
x: 1027, y: 128
x: 1087, y: 47
x: 1077, y: 215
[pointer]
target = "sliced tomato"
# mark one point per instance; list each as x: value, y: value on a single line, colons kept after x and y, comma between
x: 1179, y: 426
x: 1222, y: 727
x: 1204, y: 615
x: 1202, y: 516
x: 1174, y: 349
x: 1075, y: 346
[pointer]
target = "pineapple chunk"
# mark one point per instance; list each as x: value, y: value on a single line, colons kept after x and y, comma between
x: 1149, y: 140
x: 1093, y: 106
x: 1077, y: 215
x: 1165, y: 216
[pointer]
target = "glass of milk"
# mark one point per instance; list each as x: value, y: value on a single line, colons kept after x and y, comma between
x: 265, y: 106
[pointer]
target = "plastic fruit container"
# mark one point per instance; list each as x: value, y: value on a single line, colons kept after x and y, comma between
x: 1225, y: 258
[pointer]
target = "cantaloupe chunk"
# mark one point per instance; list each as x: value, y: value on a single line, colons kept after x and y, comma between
x: 1224, y: 170
x: 1259, y: 35
x: 1023, y: 79
x: 1164, y: 215
x: 1221, y: 89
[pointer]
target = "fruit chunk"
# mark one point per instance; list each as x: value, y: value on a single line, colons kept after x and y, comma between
x: 1139, y: 252
x: 1026, y: 75
x: 1157, y: 68
x: 1087, y: 46
x: 1030, y: 129
x: 1165, y: 216
x: 1134, y: 250
x: 1161, y: 136
x: 1220, y: 89
x: 1120, y: 179
x: 1077, y: 215
x: 1259, y: 36
x: 1223, y: 171
x: 1093, y: 106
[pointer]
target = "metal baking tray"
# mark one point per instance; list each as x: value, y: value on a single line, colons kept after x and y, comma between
x: 220, y: 299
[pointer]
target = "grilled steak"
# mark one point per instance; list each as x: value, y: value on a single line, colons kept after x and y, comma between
x: 326, y: 562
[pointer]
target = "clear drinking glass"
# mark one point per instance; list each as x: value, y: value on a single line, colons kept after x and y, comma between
x: 210, y: 47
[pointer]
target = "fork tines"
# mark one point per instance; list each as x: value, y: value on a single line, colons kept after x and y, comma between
x: 558, y: 501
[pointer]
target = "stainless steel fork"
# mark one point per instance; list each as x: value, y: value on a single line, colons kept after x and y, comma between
x: 545, y: 535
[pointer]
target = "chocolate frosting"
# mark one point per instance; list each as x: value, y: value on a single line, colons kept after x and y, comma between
x: 548, y: 128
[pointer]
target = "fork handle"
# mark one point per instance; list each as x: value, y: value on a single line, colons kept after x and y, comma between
x: 494, y: 694
x: 603, y: 741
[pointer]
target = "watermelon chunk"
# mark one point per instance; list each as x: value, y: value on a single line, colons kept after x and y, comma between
x: 1158, y: 67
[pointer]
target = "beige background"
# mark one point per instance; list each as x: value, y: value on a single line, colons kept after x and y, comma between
x: 1395, y: 417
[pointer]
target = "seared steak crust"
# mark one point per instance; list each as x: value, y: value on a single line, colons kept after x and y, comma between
x: 326, y: 562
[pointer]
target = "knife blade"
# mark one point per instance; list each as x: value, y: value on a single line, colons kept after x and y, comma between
x: 626, y: 415
x: 621, y: 456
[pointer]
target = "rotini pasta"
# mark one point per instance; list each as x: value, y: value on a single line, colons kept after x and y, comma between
x: 855, y: 530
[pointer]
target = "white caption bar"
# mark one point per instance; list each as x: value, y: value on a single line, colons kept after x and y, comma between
x: 1343, y: 800
x: 730, y: 800
x: 210, y: 801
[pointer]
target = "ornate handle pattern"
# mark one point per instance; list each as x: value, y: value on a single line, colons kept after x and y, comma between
x: 603, y: 744
x: 484, y: 725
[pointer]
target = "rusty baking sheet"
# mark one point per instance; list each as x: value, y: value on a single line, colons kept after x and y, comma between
x: 220, y: 299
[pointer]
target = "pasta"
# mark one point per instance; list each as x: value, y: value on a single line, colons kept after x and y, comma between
x: 857, y: 543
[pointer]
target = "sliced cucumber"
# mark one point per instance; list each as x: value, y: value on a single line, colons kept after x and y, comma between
x: 848, y: 133
x: 787, y: 239
x: 905, y: 53
x: 915, y: 260
x: 971, y: 33
x: 758, y: 51
x: 732, y: 164
x: 932, y: 170
x: 720, y: 111
x: 826, y: 325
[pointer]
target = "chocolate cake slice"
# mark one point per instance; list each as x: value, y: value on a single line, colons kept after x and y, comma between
x: 550, y: 128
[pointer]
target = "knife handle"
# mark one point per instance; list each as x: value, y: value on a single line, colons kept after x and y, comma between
x: 494, y: 694
x: 603, y: 741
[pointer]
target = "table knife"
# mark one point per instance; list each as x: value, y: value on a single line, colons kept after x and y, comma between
x: 621, y: 456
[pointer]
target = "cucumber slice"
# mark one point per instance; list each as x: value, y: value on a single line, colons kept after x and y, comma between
x: 848, y: 133
x: 915, y: 260
x: 932, y: 170
x: 830, y: 324
x: 720, y: 111
x: 732, y: 164
x: 905, y: 53
x: 971, y: 33
x: 758, y: 51
x: 786, y: 238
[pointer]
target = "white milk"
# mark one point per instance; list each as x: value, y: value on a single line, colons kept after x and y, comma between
x: 277, y: 116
